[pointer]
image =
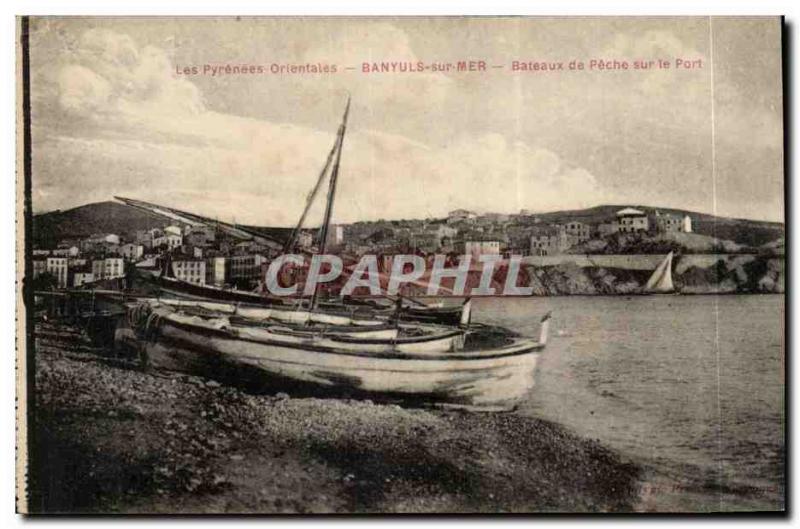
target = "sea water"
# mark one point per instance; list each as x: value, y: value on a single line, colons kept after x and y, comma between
x: 691, y: 387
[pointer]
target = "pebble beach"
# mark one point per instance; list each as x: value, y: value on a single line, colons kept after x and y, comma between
x: 112, y: 437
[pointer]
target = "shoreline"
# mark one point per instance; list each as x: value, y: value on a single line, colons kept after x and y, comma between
x: 116, y: 439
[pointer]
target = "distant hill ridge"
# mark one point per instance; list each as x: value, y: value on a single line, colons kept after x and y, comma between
x: 99, y: 217
x: 112, y: 217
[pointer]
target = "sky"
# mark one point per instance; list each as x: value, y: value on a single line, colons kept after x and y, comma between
x: 112, y: 114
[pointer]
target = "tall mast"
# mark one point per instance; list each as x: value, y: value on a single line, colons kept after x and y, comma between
x: 323, y: 233
x: 287, y: 248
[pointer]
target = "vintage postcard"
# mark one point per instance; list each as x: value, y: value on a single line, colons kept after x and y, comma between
x: 400, y: 265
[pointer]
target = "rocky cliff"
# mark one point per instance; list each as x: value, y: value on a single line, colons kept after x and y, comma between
x: 727, y: 274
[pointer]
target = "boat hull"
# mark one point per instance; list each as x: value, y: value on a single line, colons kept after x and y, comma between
x: 259, y: 303
x: 491, y: 381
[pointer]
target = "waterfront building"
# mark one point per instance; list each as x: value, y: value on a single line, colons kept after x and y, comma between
x: 478, y: 247
x: 244, y: 267
x: 190, y: 270
x: 215, y: 271
x: 108, y: 268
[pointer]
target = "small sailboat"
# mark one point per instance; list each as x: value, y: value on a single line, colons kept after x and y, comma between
x: 660, y: 281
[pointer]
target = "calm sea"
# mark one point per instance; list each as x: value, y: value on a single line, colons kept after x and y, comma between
x: 692, y: 387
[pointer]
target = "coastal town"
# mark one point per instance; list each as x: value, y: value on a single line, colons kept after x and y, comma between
x: 206, y: 253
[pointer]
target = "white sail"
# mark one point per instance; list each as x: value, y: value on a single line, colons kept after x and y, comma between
x: 661, y: 280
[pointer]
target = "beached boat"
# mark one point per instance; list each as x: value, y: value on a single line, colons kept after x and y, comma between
x: 403, y: 338
x: 471, y: 370
x: 660, y: 281
x: 415, y: 310
x: 426, y: 364
x: 410, y: 310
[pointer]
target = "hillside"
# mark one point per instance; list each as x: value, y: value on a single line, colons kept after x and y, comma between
x: 99, y: 217
x: 113, y: 217
x: 741, y: 231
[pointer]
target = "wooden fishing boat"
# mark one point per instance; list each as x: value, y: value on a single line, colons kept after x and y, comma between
x: 425, y: 364
x: 411, y: 310
x: 415, y: 310
x: 284, y: 314
x: 415, y: 339
x: 470, y: 372
x: 186, y: 290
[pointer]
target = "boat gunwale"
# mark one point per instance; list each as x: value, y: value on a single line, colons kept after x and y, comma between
x: 260, y: 301
x: 519, y: 347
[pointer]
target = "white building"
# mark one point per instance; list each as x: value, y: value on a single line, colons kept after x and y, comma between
x: 175, y: 230
x: 667, y: 222
x: 66, y: 251
x: 57, y: 267
x: 108, y: 268
x: 113, y: 267
x: 131, y: 251
x: 215, y: 271
x: 190, y: 270
x: 476, y: 248
x: 460, y: 215
x: 632, y: 220
x: 171, y: 240
x: 687, y: 224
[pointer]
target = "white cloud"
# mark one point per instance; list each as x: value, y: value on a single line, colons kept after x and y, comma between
x: 154, y: 139
x: 111, y: 78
